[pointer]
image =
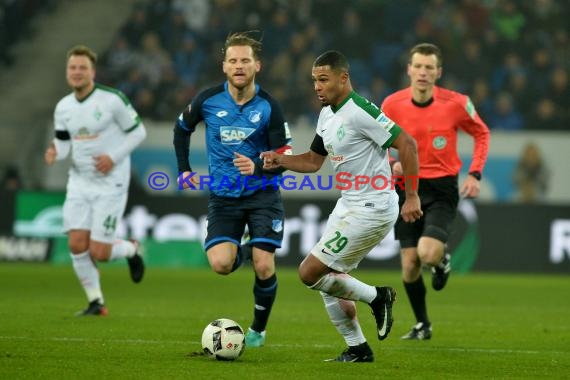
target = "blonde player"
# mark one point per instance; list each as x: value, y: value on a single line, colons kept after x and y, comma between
x: 355, y: 135
x: 100, y: 128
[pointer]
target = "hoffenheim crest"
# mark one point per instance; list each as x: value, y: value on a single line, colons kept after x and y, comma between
x: 277, y: 225
x: 255, y: 116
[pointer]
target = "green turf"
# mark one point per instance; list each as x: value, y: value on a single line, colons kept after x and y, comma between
x: 485, y: 326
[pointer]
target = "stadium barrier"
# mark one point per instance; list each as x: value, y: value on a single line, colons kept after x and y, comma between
x: 485, y: 237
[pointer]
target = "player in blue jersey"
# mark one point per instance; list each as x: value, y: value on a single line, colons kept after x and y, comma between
x: 241, y: 121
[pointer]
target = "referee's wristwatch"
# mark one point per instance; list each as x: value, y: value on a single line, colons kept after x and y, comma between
x: 476, y: 174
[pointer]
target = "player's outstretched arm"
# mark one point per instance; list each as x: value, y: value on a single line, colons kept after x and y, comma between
x: 308, y: 162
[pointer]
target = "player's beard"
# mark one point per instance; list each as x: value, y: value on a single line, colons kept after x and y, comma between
x: 79, y: 85
x: 241, y: 84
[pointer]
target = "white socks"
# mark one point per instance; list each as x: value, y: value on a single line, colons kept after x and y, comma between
x: 345, y: 324
x: 122, y: 249
x: 88, y: 275
x: 345, y: 286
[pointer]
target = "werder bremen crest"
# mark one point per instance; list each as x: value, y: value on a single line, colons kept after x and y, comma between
x: 97, y: 114
x: 340, y: 132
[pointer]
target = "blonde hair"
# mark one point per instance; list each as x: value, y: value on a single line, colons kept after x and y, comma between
x: 83, y: 50
x: 243, y: 39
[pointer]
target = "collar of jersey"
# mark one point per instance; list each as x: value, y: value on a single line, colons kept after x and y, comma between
x: 88, y: 95
x: 350, y: 96
x: 226, y: 84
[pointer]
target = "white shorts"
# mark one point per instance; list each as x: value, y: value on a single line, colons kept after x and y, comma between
x: 97, y: 211
x: 351, y: 232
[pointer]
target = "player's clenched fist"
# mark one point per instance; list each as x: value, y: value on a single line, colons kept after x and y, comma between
x: 186, y: 177
x: 270, y: 160
x: 50, y: 154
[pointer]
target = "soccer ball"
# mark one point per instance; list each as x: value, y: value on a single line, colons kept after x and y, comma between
x: 223, y: 339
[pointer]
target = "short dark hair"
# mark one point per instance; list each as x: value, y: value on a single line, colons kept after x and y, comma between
x: 243, y: 39
x: 427, y: 49
x: 333, y: 58
x: 83, y: 50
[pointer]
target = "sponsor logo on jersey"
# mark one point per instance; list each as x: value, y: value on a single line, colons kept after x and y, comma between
x: 287, y: 131
x: 84, y: 134
x: 255, y: 116
x: 470, y: 108
x: 439, y: 142
x: 222, y: 113
x: 234, y: 135
x: 337, y: 158
x: 332, y: 155
x: 384, y: 122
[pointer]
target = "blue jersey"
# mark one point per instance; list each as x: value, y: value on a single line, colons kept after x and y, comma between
x: 248, y: 129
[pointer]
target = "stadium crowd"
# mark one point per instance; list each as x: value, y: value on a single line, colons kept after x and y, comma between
x: 511, y: 56
x: 15, y: 23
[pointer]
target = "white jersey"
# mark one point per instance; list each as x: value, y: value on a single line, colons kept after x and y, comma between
x: 356, y: 135
x: 97, y: 125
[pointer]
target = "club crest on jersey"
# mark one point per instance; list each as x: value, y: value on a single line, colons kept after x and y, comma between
x: 97, y: 114
x: 439, y: 142
x: 234, y: 135
x: 277, y: 225
x: 255, y: 117
x: 340, y: 133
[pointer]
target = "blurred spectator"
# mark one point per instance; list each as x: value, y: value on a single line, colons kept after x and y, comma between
x: 188, y: 60
x: 508, y: 20
x: 493, y: 48
x: 350, y: 30
x: 145, y: 103
x: 504, y: 115
x: 153, y: 59
x: 559, y: 92
x: 522, y: 95
x: 11, y: 181
x: 135, y: 27
x: 481, y: 98
x: 472, y: 56
x: 120, y: 59
x: 278, y: 33
x: 195, y: 12
x: 511, y: 65
x: 545, y: 16
x: 545, y: 116
x: 15, y: 23
x: 133, y: 83
x: 540, y: 70
x: 531, y: 175
x: 476, y: 17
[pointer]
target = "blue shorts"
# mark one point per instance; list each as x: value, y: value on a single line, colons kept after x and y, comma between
x: 262, y: 213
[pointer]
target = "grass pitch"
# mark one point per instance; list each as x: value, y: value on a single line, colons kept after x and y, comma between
x: 484, y: 326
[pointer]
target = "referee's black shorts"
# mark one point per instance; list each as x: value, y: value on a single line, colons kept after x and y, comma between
x: 439, y: 198
x: 262, y: 212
